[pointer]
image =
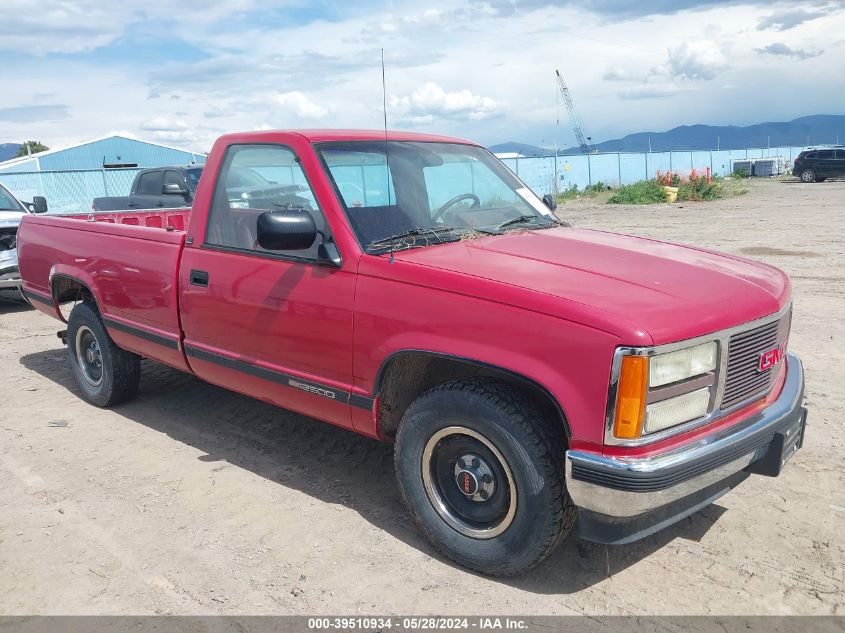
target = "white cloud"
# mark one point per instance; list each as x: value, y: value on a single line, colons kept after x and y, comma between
x: 779, y: 48
x: 469, y: 69
x: 163, y: 124
x: 696, y: 60
x: 300, y: 106
x: 657, y: 90
x: 431, y: 102
x: 789, y: 19
x: 619, y: 74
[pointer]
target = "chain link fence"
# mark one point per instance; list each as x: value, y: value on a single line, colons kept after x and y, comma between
x: 74, y: 191
x: 69, y: 191
x: 552, y: 174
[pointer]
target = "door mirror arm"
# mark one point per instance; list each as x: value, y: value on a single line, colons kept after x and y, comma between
x: 327, y: 251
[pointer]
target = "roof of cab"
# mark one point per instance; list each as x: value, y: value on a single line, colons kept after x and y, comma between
x: 321, y: 136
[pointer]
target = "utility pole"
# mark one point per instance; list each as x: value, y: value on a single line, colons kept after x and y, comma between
x: 717, y: 143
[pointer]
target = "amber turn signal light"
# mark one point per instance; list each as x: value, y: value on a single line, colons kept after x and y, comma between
x: 631, y: 397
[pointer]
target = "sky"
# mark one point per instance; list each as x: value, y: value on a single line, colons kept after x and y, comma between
x: 182, y: 73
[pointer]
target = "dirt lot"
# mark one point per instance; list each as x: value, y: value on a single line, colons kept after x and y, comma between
x: 194, y: 500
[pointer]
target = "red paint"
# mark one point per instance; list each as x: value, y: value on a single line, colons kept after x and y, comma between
x: 548, y: 305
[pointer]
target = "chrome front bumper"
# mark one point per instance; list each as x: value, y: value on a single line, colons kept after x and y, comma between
x: 615, y: 489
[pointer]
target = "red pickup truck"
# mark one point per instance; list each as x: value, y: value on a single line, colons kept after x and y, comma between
x: 533, y: 377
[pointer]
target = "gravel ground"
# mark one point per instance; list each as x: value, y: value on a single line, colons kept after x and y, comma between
x: 195, y: 500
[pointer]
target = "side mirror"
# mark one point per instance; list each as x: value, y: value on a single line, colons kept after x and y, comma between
x: 286, y: 230
x: 549, y: 201
x: 39, y: 204
x: 172, y: 189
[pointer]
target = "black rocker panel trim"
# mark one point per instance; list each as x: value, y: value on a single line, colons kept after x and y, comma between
x: 144, y: 334
x: 288, y: 380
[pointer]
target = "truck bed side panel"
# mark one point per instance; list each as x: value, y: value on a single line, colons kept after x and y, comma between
x: 130, y: 269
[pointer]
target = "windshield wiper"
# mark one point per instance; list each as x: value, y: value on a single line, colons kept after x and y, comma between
x: 395, y: 240
x: 526, y: 219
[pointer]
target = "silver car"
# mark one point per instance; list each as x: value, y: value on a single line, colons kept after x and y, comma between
x: 11, y: 212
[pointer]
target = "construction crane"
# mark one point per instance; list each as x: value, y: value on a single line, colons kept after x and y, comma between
x: 574, y: 119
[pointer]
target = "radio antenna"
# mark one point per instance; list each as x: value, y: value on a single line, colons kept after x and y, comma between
x: 386, y: 152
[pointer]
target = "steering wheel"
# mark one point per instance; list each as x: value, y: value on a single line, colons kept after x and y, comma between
x: 451, y: 203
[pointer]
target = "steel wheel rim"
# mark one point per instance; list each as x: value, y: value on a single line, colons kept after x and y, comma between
x: 89, y: 357
x: 442, y: 500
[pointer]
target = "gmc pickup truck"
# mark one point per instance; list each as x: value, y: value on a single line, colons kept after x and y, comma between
x: 533, y: 377
x: 161, y: 187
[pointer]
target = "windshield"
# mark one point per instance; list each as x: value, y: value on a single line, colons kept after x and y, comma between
x: 434, y: 192
x: 8, y: 201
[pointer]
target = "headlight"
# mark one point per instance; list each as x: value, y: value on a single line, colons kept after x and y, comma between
x: 673, y: 411
x: 683, y: 364
x: 655, y: 393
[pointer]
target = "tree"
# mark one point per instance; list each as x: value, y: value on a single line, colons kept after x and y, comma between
x: 34, y: 148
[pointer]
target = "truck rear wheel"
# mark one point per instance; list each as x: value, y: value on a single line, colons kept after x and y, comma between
x: 106, y: 374
x: 482, y: 472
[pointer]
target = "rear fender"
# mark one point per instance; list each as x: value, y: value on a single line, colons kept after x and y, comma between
x: 63, y: 279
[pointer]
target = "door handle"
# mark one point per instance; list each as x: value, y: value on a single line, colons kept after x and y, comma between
x: 199, y: 278
x: 159, y: 203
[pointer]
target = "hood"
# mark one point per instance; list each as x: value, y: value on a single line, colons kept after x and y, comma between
x: 672, y: 292
x: 10, y: 218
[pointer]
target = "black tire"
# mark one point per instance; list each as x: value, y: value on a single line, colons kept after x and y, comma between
x: 109, y: 375
x: 532, y: 451
x: 807, y: 175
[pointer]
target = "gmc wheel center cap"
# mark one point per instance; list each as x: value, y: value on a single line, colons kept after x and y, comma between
x: 467, y: 482
x: 474, y: 478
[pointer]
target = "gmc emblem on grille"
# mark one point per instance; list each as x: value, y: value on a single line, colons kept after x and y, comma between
x: 772, y: 357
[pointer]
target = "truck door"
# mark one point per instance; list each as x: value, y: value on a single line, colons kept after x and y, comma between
x: 148, y: 192
x: 276, y: 325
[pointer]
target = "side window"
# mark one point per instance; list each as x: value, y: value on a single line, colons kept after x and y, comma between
x: 840, y: 154
x: 255, y: 179
x: 150, y: 184
x: 825, y: 153
x: 174, y: 178
x: 810, y: 155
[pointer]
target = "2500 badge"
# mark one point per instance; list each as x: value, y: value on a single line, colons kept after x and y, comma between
x: 326, y: 393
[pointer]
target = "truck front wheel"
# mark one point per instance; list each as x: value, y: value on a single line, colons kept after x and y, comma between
x: 481, y: 471
x: 106, y: 374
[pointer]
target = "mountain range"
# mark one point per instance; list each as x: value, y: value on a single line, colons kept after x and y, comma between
x: 8, y: 150
x: 817, y: 128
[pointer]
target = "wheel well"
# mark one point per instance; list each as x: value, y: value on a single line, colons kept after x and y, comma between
x: 406, y: 376
x: 68, y: 289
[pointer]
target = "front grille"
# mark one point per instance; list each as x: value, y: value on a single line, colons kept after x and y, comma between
x: 743, y: 380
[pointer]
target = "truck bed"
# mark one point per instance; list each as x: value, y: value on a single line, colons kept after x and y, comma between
x: 130, y: 261
x: 170, y: 219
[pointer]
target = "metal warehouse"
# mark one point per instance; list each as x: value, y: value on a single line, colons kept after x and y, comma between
x: 71, y: 177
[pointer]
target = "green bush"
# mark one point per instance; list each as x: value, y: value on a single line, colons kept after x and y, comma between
x: 589, y: 191
x: 696, y: 188
x: 642, y: 192
x: 567, y: 194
